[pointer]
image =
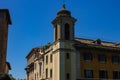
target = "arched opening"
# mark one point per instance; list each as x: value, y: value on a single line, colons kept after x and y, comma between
x: 55, y: 33
x: 67, y: 31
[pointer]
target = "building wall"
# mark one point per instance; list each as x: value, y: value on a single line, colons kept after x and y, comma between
x: 67, y: 65
x: 30, y: 65
x: 3, y: 41
x: 95, y: 65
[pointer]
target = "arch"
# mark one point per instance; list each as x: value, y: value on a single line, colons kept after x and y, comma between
x: 67, y: 31
x: 55, y: 33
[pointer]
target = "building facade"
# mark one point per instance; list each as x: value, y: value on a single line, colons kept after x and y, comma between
x: 70, y: 58
x: 4, y: 22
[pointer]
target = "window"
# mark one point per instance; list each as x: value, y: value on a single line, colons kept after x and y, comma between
x: 101, y: 58
x: 51, y: 57
x: 67, y: 55
x: 46, y: 73
x: 40, y: 68
x: 67, y: 32
x: 115, y: 59
x: 35, y: 76
x: 46, y: 59
x: 88, y: 73
x: 88, y: 56
x: 67, y: 76
x: 103, y: 74
x: 35, y: 66
x: 51, y: 73
x: 116, y: 74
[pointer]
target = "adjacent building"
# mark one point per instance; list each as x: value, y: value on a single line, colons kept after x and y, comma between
x: 71, y: 58
x: 4, y: 22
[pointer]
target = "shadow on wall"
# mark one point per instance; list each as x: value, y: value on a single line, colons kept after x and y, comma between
x: 4, y: 77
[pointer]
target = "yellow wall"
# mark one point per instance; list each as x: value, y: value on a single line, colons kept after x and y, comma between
x: 95, y: 65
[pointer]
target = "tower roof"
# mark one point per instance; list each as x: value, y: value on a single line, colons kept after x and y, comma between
x: 64, y: 12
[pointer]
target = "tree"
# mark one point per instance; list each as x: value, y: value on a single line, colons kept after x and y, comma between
x: 12, y: 78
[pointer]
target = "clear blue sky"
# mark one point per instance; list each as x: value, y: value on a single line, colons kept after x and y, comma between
x: 32, y: 24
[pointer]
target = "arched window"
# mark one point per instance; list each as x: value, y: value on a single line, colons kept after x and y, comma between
x: 67, y: 31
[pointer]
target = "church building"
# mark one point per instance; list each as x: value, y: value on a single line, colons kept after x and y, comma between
x: 71, y: 58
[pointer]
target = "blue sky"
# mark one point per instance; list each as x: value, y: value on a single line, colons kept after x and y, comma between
x: 31, y: 25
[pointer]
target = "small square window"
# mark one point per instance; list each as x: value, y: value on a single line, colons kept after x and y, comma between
x: 88, y: 56
x: 115, y: 59
x: 102, y: 58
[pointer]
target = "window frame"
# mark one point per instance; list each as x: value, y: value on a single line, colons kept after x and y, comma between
x: 102, y: 58
x: 88, y: 73
x: 115, y: 59
x: 67, y: 55
x: 51, y: 73
x: 67, y: 76
x: 103, y: 74
x: 46, y: 59
x: 88, y: 56
x: 116, y: 75
x: 46, y: 72
x: 67, y: 31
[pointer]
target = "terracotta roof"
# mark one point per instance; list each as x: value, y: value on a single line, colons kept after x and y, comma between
x: 95, y: 43
x: 33, y: 49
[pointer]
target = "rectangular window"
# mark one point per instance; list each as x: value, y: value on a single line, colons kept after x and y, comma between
x: 40, y: 68
x: 51, y: 58
x: 67, y: 32
x: 88, y: 56
x: 103, y: 74
x: 116, y: 74
x: 46, y: 73
x: 51, y: 73
x: 67, y: 55
x: 102, y: 58
x: 68, y: 76
x: 35, y: 76
x: 88, y: 73
x: 46, y: 59
x: 115, y: 59
x: 34, y: 65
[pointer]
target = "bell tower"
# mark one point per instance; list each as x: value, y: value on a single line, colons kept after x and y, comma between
x: 64, y: 52
x: 4, y: 22
x: 64, y: 25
